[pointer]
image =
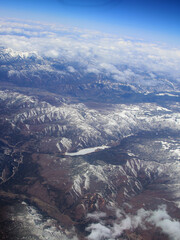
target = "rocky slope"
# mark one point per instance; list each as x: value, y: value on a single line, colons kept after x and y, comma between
x: 138, y: 170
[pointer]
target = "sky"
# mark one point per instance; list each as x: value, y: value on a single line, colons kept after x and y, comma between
x: 155, y: 20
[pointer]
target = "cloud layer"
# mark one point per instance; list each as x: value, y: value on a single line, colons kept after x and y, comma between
x: 121, y: 59
x: 158, y: 218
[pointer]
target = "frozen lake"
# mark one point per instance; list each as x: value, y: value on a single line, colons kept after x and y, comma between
x: 86, y: 151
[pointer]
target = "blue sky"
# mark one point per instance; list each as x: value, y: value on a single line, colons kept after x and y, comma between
x: 155, y: 20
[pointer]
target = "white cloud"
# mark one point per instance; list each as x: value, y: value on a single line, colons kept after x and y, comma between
x: 96, y: 215
x: 52, y: 53
x: 169, y: 226
x: 92, y: 69
x: 98, y: 231
x: 71, y: 69
x: 158, y: 218
x: 97, y: 52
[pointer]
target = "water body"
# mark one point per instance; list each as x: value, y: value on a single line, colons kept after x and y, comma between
x: 86, y: 151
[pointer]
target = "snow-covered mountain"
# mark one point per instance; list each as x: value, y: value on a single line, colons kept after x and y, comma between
x: 72, y: 77
x: 89, y: 135
x: 65, y: 127
x: 134, y: 152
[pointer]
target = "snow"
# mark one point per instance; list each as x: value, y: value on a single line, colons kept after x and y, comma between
x: 66, y: 143
x: 87, y: 181
x: 43, y: 229
x: 131, y: 154
x: 58, y: 147
x: 86, y: 151
x: 77, y: 185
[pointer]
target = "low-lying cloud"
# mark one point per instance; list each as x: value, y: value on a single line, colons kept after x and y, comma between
x: 158, y: 218
x: 121, y: 59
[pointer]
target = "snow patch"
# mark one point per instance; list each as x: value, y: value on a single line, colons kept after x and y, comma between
x: 58, y: 147
x: 67, y: 143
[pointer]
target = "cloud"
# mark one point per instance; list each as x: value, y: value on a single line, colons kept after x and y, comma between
x: 158, y: 218
x: 98, y: 231
x: 96, y: 215
x: 124, y: 60
x: 71, y: 69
